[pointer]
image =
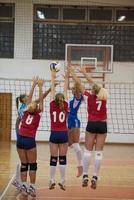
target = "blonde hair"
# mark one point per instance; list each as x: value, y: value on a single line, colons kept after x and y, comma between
x: 31, y: 107
x: 100, y: 92
x: 59, y: 100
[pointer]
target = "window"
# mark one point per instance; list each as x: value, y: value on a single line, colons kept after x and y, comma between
x: 125, y: 15
x: 99, y: 27
x: 46, y: 13
x: 6, y: 30
x: 73, y: 14
x: 100, y: 14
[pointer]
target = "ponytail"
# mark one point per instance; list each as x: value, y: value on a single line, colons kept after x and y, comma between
x: 17, y: 102
x: 20, y: 99
x: 59, y: 102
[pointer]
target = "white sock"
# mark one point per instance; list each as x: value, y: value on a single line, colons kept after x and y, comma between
x: 86, y: 161
x: 52, y: 172
x: 78, y: 152
x: 97, y: 163
x: 62, y: 173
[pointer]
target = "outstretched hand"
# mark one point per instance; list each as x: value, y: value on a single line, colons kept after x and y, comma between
x: 35, y: 80
x: 40, y: 82
x: 83, y: 70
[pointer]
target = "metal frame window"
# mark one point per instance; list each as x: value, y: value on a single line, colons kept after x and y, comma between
x: 46, y: 13
x: 6, y: 30
x: 74, y: 13
x: 125, y: 15
x: 101, y: 14
x: 50, y: 37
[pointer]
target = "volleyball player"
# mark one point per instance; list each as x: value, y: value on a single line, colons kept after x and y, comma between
x: 26, y: 144
x: 21, y: 103
x: 59, y: 136
x: 96, y: 129
x: 24, y: 99
x: 74, y: 125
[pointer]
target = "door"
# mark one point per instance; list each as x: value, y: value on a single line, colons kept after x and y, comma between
x: 5, y: 116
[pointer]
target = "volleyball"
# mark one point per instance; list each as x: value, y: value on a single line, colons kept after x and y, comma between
x: 55, y: 66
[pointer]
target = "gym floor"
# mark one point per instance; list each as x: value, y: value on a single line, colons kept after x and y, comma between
x: 116, y: 181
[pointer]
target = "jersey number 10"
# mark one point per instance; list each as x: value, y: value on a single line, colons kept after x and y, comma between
x: 60, y: 116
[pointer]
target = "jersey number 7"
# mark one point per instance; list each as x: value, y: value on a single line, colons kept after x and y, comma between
x: 99, y: 104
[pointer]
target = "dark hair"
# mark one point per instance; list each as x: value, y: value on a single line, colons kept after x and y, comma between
x: 59, y: 102
x: 20, y: 99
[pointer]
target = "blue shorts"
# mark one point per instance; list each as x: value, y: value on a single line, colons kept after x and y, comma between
x: 58, y: 137
x: 73, y: 122
x: 25, y: 142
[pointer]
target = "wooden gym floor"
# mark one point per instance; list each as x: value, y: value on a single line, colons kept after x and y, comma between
x: 116, y: 176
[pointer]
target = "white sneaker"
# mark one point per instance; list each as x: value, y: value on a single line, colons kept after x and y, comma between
x: 16, y: 183
x: 32, y: 191
x: 51, y: 185
x: 24, y: 190
x: 62, y: 185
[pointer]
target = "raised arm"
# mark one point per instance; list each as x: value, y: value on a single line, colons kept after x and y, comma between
x: 76, y: 79
x: 66, y: 84
x: 87, y: 76
x: 34, y: 83
x: 53, y: 79
x: 40, y: 85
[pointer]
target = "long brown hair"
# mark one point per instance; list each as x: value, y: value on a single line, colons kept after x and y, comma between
x: 20, y: 99
x: 59, y: 100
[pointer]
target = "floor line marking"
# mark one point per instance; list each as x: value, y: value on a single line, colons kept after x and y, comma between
x: 6, y: 188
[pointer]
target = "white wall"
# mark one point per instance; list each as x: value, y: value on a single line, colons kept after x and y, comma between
x: 26, y: 68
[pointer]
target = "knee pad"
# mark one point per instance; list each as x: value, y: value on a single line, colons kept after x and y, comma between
x: 62, y: 160
x: 53, y: 160
x: 98, y: 155
x: 76, y: 147
x: 33, y: 166
x: 87, y: 153
x: 24, y: 167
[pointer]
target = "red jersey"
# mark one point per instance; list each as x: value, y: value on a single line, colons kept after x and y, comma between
x: 29, y: 124
x: 58, y: 117
x: 97, y: 110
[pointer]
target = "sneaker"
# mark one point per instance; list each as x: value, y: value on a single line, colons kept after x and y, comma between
x: 80, y: 171
x: 94, y: 182
x: 16, y: 183
x: 85, y: 181
x: 51, y: 185
x: 32, y: 191
x: 24, y: 190
x: 62, y: 186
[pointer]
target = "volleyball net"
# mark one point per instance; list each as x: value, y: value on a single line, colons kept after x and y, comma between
x: 120, y: 108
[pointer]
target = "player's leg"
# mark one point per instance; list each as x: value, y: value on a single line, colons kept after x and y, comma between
x: 53, y: 163
x: 17, y: 178
x: 74, y: 135
x: 100, y: 141
x: 89, y: 143
x: 32, y: 160
x: 62, y: 161
x: 23, y: 170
